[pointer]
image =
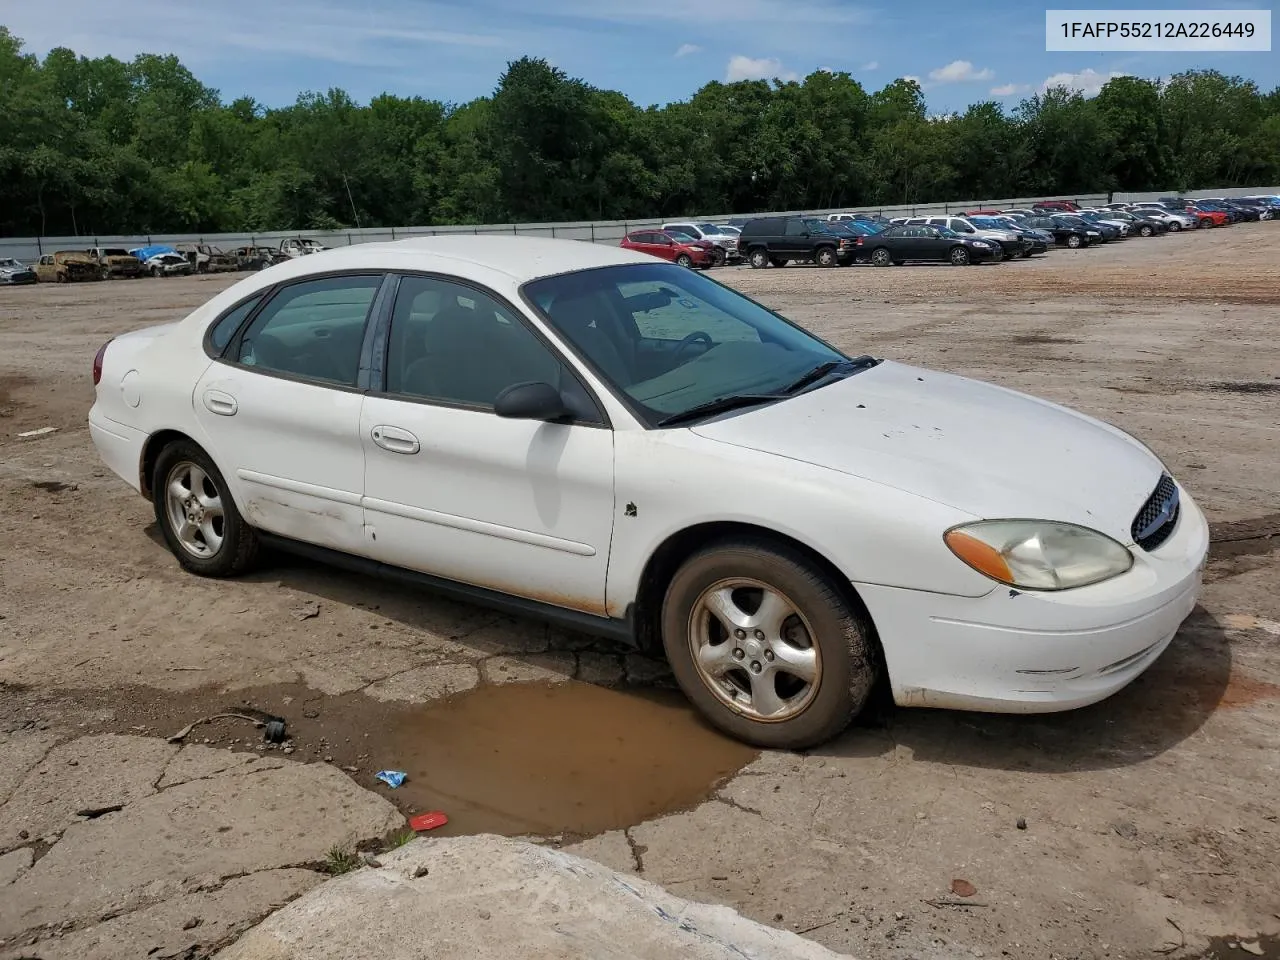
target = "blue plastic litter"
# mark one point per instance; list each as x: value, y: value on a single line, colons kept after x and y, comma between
x: 392, y: 778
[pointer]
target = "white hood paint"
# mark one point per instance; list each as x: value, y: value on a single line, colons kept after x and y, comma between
x: 974, y: 446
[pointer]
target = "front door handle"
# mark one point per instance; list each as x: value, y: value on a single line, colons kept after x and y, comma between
x: 223, y: 404
x: 395, y: 439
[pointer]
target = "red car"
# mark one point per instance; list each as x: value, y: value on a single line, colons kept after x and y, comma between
x: 678, y: 249
x: 1209, y: 218
x: 983, y: 213
x: 1062, y: 206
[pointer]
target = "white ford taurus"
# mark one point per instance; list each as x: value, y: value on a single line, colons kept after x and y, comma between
x: 587, y: 434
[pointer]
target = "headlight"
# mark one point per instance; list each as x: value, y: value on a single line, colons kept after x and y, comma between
x: 1038, y: 554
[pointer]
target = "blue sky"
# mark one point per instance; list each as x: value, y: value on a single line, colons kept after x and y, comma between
x: 655, y: 51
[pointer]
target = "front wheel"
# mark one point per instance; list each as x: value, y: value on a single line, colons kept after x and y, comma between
x: 718, y: 257
x: 1175, y: 226
x: 766, y: 646
x: 196, y: 514
x: 1074, y: 241
x: 825, y: 257
x: 1145, y: 231
x: 959, y: 256
x: 759, y: 260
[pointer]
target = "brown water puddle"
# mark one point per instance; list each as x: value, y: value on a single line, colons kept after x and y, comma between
x: 546, y: 759
x: 567, y: 758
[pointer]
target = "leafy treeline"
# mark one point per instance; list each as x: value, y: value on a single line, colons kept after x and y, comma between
x: 103, y: 146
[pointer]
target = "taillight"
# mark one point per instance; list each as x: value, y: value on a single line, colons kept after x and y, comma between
x: 97, y: 362
x: 857, y: 241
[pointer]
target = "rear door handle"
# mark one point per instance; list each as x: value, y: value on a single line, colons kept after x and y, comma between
x: 395, y: 439
x: 223, y: 404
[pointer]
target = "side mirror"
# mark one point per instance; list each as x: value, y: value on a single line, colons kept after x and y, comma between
x: 531, y: 401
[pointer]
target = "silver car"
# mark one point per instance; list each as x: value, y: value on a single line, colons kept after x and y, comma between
x: 728, y: 242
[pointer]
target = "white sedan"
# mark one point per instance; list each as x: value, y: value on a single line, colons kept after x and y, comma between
x: 632, y: 449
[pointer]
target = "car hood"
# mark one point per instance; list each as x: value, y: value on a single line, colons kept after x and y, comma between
x: 980, y: 448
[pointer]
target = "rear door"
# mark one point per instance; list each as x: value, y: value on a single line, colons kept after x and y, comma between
x: 795, y: 240
x: 280, y: 408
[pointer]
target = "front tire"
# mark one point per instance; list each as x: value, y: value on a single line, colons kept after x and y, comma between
x: 196, y: 514
x: 1145, y: 230
x: 765, y: 645
x: 959, y: 256
x: 759, y: 260
x: 1074, y: 241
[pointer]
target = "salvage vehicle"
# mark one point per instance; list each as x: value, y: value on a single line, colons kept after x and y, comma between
x: 15, y: 272
x: 921, y: 242
x: 776, y: 241
x: 257, y: 258
x: 585, y: 434
x: 205, y: 258
x: 294, y: 247
x: 679, y: 248
x: 67, y: 266
x: 171, y: 264
x: 727, y: 242
x: 117, y: 262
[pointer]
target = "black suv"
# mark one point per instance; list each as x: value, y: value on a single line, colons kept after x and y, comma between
x: 779, y: 240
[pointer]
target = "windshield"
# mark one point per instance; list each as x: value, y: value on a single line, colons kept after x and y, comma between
x: 987, y: 223
x: 731, y: 231
x: 707, y: 227
x: 679, y: 234
x: 669, y: 339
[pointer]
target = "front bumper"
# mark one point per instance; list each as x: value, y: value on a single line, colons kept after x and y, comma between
x: 17, y: 279
x: 1026, y: 652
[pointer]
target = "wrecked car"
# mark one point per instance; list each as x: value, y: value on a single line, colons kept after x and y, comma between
x: 14, y: 272
x: 205, y: 258
x: 300, y: 247
x: 67, y: 266
x: 117, y: 262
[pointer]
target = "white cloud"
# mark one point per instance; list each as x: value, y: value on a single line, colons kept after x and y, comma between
x: 751, y: 68
x: 687, y: 49
x: 1009, y: 89
x: 1088, y: 81
x: 960, y: 71
x: 912, y: 77
x: 871, y: 65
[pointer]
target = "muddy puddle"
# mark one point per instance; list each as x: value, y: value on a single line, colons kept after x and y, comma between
x: 570, y: 758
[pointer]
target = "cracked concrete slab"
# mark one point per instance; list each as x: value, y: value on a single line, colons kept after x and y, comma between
x: 533, y: 668
x: 424, y: 684
x: 20, y: 751
x: 183, y: 926
x: 479, y: 897
x: 90, y: 773
x: 163, y: 846
x: 14, y: 864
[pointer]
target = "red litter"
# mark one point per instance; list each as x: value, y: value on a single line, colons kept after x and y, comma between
x: 428, y: 821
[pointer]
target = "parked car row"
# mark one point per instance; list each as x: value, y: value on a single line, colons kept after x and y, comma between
x: 156, y: 260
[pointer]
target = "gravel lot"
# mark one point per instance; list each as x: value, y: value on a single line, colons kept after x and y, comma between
x: 1151, y: 819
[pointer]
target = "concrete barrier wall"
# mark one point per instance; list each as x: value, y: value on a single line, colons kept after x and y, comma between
x: 1227, y: 192
x: 29, y: 249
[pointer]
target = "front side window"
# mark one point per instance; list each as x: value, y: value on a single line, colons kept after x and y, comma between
x: 796, y: 228
x: 669, y: 339
x: 313, y: 329
x: 454, y: 344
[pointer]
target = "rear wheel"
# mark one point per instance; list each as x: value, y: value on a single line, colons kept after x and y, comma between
x: 684, y: 260
x: 196, y: 514
x: 766, y: 646
x: 825, y: 257
x: 959, y: 256
x: 880, y: 257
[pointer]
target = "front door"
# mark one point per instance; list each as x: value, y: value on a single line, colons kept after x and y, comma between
x: 281, y: 411
x: 524, y: 507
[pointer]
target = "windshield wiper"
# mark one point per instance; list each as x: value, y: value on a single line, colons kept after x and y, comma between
x: 823, y: 369
x: 720, y: 405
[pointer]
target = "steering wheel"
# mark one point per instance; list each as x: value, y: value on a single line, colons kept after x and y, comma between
x: 698, y: 336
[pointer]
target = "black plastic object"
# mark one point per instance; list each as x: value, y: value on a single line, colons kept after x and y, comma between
x: 273, y: 731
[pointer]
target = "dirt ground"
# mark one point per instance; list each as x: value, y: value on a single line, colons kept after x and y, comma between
x: 1150, y: 819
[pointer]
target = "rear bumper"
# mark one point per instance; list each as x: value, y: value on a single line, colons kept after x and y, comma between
x: 1025, y: 652
x: 119, y: 446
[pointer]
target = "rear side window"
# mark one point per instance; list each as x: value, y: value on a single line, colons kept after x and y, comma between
x: 313, y: 330
x: 796, y: 228
x: 225, y: 328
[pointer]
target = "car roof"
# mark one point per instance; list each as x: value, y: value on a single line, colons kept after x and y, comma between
x: 519, y: 258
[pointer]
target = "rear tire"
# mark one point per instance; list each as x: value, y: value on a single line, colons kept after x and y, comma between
x: 881, y: 257
x: 795, y: 673
x: 684, y: 260
x: 825, y: 257
x: 196, y: 514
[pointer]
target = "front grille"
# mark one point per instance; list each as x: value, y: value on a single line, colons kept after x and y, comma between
x: 1158, y: 517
